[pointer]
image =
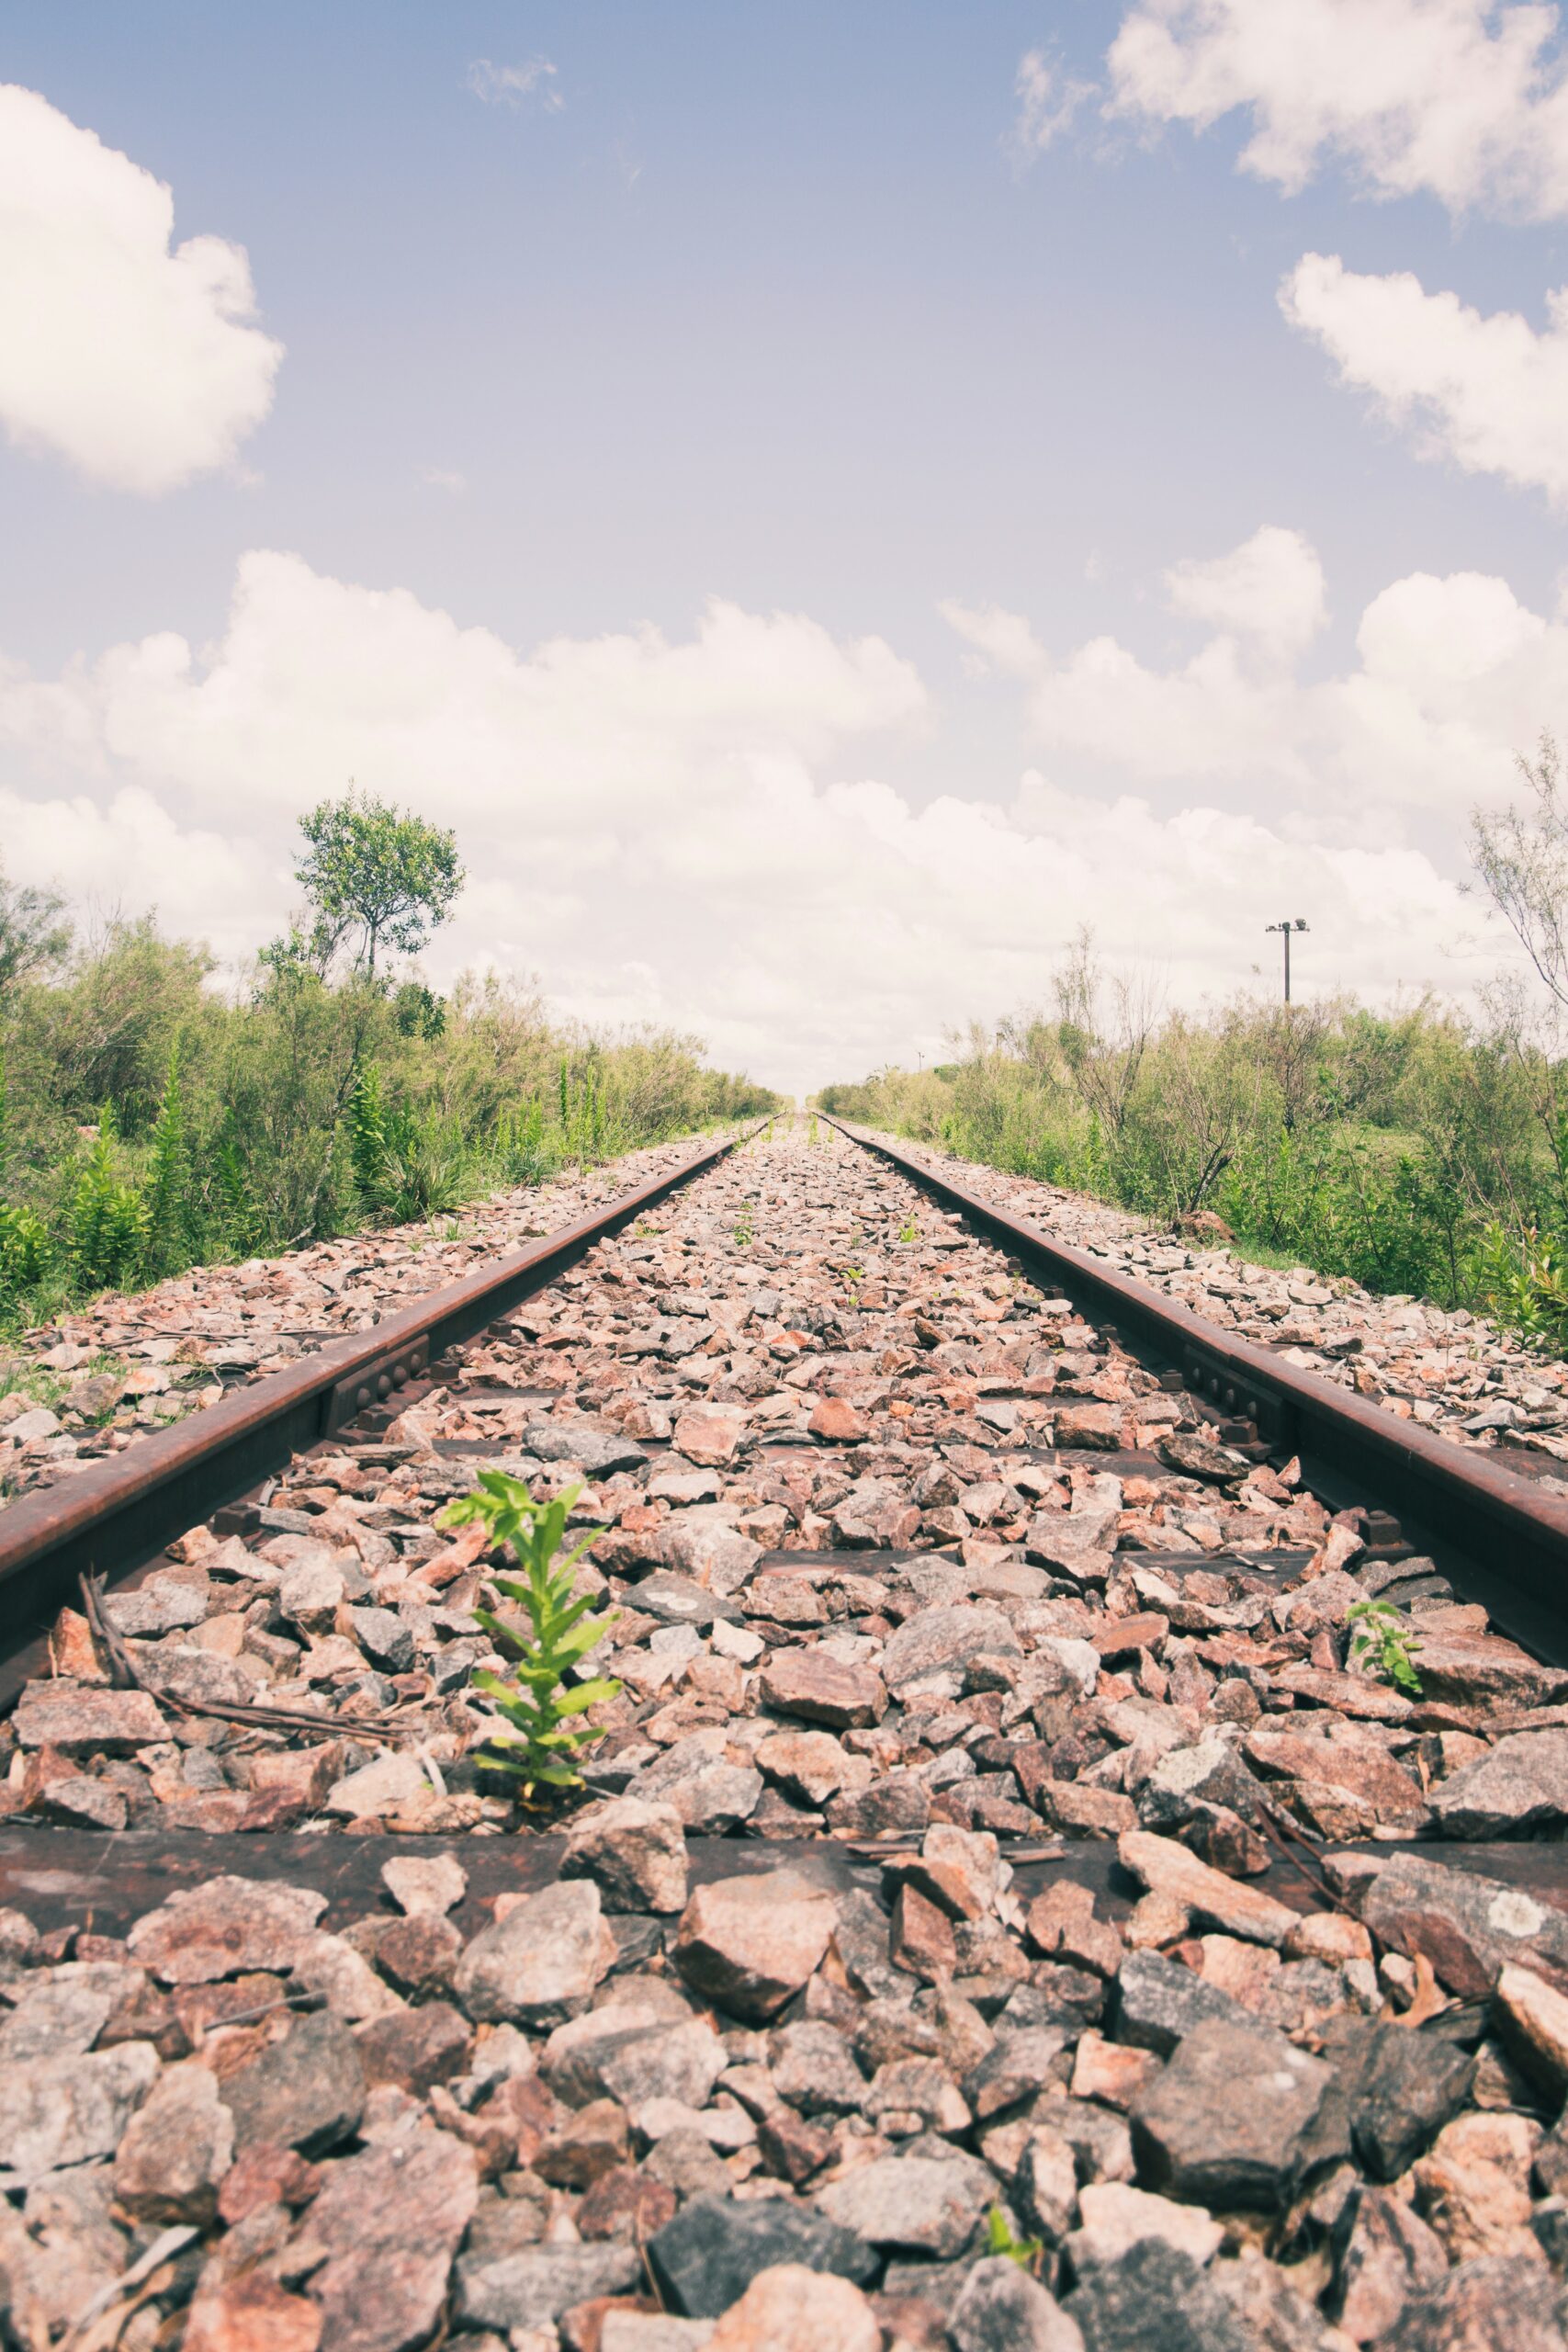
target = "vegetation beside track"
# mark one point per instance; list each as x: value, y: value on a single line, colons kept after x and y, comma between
x: 152, y: 1120
x: 1417, y: 1152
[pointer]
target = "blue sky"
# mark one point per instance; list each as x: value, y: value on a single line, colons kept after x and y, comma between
x: 591, y: 316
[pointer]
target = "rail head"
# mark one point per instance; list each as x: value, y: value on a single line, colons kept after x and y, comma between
x: 126, y: 1508
x: 1511, y: 1532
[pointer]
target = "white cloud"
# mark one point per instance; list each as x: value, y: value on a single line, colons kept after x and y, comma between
x: 1488, y: 392
x: 1452, y: 674
x: 1466, y: 100
x: 692, y: 828
x: 445, y: 477
x: 136, y: 362
x: 514, y: 86
x: 1047, y: 101
x: 1270, y: 589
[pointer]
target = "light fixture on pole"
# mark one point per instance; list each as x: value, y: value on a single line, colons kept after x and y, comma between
x: 1287, y: 927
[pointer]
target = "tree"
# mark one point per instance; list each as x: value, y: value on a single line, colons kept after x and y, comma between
x: 1521, y: 855
x: 32, y: 938
x: 377, y: 871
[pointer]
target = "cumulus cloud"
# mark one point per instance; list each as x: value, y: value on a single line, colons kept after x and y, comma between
x: 1269, y: 588
x: 134, y: 359
x: 1047, y: 98
x: 1466, y: 100
x: 1452, y: 674
x: 700, y: 828
x: 1488, y: 392
x: 515, y: 86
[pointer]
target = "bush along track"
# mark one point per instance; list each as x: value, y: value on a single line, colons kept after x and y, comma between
x: 1024, y: 1885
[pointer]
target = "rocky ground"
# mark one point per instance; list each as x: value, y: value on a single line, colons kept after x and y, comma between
x: 1453, y: 1370
x: 94, y: 1381
x: 989, y: 1849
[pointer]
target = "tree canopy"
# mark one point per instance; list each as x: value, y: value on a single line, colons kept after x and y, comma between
x: 377, y: 874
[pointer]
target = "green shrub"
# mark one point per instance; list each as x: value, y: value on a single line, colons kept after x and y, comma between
x: 547, y: 1730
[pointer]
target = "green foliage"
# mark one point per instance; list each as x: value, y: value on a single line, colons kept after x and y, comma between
x: 108, y: 1222
x: 910, y: 1232
x: 556, y: 1632
x: 1026, y: 2251
x: 1383, y: 1644
x: 304, y: 1105
x: 1413, y: 1152
x: 376, y: 871
x: 745, y: 1232
x: 417, y: 1012
x: 172, y: 1222
x: 33, y: 938
x: 25, y: 1253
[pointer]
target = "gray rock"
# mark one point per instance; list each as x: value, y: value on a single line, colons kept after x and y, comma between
x: 1495, y: 2303
x: 1231, y: 2121
x: 1187, y: 1778
x: 61, y: 2111
x: 680, y: 1600
x: 599, y: 1451
x: 922, y: 2204
x: 709, y: 1794
x: 1383, y: 2254
x: 391, y: 2219
x: 1018, y: 2067
x: 1154, y: 2299
x: 176, y: 2149
x: 156, y: 1608
x: 1522, y: 1783
x: 80, y: 1719
x: 228, y: 1927
x: 572, y: 2060
x: 1158, y: 2002
x: 383, y: 1637
x: 540, y: 1963
x: 199, y: 1677
x: 680, y: 2061
x: 652, y: 2332
x: 936, y: 1640
x: 1400, y: 2088
x: 306, y: 2091
x: 61, y: 2013
x: 706, y: 2257
x: 634, y: 1850
x: 1470, y: 1928
x: 1002, y: 2308
x: 813, y: 2068
x: 532, y: 2288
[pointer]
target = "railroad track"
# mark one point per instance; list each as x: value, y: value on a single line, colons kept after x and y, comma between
x: 983, y: 1605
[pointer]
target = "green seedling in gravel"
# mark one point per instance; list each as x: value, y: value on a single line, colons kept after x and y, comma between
x: 545, y: 1716
x: 1025, y: 2251
x: 745, y: 1233
x: 812, y: 1135
x: 910, y: 1232
x: 1383, y: 1644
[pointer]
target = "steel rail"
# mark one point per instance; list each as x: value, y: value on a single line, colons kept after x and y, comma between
x: 123, y: 1510
x: 1503, y: 1537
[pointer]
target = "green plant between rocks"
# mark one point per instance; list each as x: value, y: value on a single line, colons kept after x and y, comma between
x: 1025, y: 2251
x: 1382, y: 1644
x: 547, y: 1730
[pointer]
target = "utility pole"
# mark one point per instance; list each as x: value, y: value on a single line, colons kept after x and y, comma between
x: 1287, y: 927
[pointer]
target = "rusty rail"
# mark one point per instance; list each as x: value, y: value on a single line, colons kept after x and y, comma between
x: 110, y: 1519
x: 1502, y: 1536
